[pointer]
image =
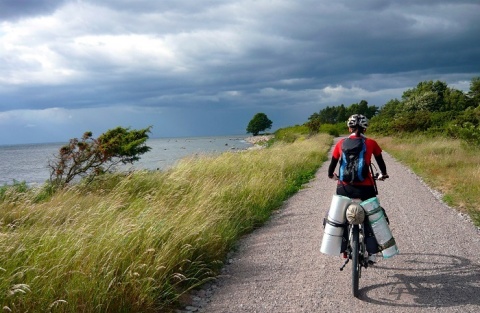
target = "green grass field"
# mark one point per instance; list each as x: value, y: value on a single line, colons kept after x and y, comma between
x: 447, y: 165
x: 136, y: 243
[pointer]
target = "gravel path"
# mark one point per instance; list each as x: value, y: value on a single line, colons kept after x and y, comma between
x: 279, y: 268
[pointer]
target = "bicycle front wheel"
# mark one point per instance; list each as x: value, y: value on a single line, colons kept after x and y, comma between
x: 355, y: 260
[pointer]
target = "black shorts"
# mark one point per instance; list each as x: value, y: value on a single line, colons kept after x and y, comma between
x: 356, y: 192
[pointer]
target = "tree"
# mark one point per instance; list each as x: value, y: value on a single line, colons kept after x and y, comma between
x: 474, y: 92
x: 390, y: 109
x: 313, y: 125
x: 259, y: 122
x: 90, y: 157
x: 427, y: 96
x: 328, y: 115
x: 340, y: 114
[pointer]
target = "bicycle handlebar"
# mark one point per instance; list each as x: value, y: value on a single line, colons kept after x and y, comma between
x: 377, y: 176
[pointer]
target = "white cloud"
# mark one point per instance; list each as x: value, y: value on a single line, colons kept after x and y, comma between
x: 28, y: 47
x: 336, y: 93
x: 135, y: 52
x: 33, y: 117
x: 463, y: 85
x: 425, y: 24
x: 231, y: 93
x: 296, y: 81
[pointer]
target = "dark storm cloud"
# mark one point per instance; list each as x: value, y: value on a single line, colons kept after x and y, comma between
x: 14, y: 9
x: 218, y: 58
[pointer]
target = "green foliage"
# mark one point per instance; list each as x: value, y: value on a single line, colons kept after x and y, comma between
x: 411, y: 121
x: 90, y: 157
x: 300, y: 132
x: 258, y: 123
x: 334, y: 129
x: 467, y: 126
x: 434, y: 97
x: 313, y: 125
x: 433, y: 108
x: 292, y: 133
x: 474, y: 93
x: 332, y: 120
x: 381, y: 125
x: 340, y: 114
x: 390, y: 109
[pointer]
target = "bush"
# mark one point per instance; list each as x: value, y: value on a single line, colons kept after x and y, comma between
x: 467, y: 131
x: 333, y: 129
x: 412, y: 121
x: 380, y: 126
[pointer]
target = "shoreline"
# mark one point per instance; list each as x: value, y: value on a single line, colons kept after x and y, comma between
x: 259, y: 140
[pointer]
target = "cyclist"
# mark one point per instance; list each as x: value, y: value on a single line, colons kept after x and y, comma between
x: 357, y: 125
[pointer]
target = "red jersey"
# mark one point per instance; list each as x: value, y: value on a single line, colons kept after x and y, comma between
x: 372, y: 148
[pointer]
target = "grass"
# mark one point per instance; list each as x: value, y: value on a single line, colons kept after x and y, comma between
x: 136, y: 243
x: 447, y: 165
x: 292, y: 133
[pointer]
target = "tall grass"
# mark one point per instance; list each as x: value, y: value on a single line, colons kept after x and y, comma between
x: 448, y: 165
x: 292, y: 133
x: 136, y: 243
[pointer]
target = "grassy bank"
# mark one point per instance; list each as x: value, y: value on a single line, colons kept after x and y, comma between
x: 447, y: 165
x: 136, y: 243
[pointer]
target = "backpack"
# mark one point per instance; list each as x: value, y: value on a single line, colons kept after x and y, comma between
x: 353, y: 167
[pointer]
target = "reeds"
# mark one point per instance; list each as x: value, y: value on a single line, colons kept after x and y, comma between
x: 448, y: 165
x: 136, y: 243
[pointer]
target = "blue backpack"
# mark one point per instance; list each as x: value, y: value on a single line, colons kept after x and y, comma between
x: 353, y: 167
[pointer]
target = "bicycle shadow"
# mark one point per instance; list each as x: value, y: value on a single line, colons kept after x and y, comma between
x: 432, y: 280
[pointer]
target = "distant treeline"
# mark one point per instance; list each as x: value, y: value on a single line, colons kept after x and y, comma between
x: 431, y: 107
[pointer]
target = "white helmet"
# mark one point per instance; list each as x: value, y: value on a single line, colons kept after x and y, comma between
x: 357, y: 120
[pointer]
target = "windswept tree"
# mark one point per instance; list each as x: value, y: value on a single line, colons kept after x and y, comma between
x: 259, y: 122
x: 90, y: 157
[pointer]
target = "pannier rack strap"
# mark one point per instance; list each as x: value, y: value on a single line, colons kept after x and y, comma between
x: 374, y: 211
x: 387, y: 244
x: 335, y: 224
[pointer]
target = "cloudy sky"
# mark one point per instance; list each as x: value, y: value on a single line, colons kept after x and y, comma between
x: 202, y: 68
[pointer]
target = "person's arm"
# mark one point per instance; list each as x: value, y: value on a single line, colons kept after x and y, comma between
x: 381, y: 164
x: 335, y: 157
x: 332, y: 166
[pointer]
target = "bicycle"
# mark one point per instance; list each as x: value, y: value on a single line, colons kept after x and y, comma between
x: 356, y: 246
x: 357, y: 252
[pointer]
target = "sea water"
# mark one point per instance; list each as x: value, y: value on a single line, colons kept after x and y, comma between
x: 29, y: 162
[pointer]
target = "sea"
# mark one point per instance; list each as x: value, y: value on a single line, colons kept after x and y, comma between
x: 29, y: 162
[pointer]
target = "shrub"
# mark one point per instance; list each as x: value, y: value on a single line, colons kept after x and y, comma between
x: 333, y: 129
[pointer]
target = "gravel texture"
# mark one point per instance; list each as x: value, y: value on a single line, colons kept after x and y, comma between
x: 279, y: 267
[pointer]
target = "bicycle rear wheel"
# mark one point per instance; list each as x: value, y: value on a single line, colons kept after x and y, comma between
x: 355, y: 260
